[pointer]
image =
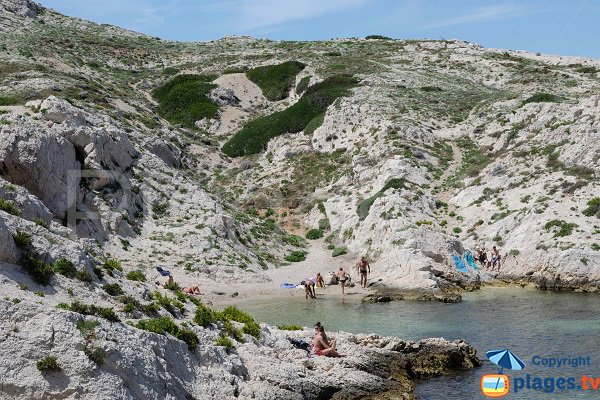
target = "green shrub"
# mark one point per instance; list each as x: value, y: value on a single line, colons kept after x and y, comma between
x: 136, y: 276
x: 561, y: 228
x: 9, y: 207
x: 314, y: 123
x: 168, y: 304
x: 587, y: 69
x: 542, y: 98
x: 595, y: 246
x: 235, y: 314
x: 338, y: 251
x: 113, y: 289
x: 235, y: 70
x: 48, y: 363
x: 22, y: 239
x: 456, y: 230
x: 111, y: 265
x: 98, y: 272
x: 39, y: 271
x: 302, y: 85
x: 64, y: 267
x: 293, y: 240
x: 41, y: 222
x: 8, y: 101
x: 232, y: 331
x: 96, y: 354
x: 289, y: 327
x: 87, y: 327
x: 275, y: 81
x: 443, y: 222
x: 107, y: 313
x: 377, y: 37
x: 172, y: 286
x: 183, y: 100
x: 314, y: 234
x: 224, y: 341
x: 170, y: 71
x: 84, y: 276
x: 255, y: 135
x: 593, y: 208
x: 90, y: 309
x: 365, y: 206
x: 514, y: 252
x: 296, y: 256
x: 204, y: 316
x: 159, y: 209
x: 164, y: 325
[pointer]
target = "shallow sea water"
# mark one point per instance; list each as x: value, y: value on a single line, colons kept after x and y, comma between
x: 530, y: 323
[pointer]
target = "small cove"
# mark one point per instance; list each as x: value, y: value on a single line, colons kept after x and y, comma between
x: 528, y: 322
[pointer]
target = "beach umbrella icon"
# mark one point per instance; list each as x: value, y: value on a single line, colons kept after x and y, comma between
x: 505, y: 359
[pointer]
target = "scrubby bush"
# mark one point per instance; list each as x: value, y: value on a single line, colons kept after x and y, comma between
x: 22, y: 239
x: 39, y: 271
x: 41, y: 222
x: 293, y: 240
x: 48, y: 363
x: 275, y: 81
x: 255, y: 135
x: 84, y: 276
x: 9, y: 207
x: 561, y: 228
x: 136, y: 276
x: 314, y: 234
x: 289, y: 327
x: 159, y: 209
x: 542, y: 98
x: 224, y: 341
x: 378, y: 37
x: 111, y: 265
x: 64, y: 267
x: 338, y: 251
x: 456, y: 229
x: 96, y: 354
x: 168, y: 304
x: 235, y: 314
x: 8, y: 101
x: 164, y: 325
x: 90, y: 309
x: 302, y: 85
x: 183, y: 99
x: 593, y: 208
x: 204, y: 316
x: 296, y: 256
x: 113, y: 289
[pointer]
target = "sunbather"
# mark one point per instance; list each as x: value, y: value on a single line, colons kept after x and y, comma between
x: 192, y: 290
x: 322, y: 347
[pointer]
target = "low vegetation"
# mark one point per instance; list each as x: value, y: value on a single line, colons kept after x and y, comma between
x: 593, y: 208
x: 48, y: 363
x: 90, y: 309
x: 559, y: 227
x: 164, y: 325
x: 365, y: 206
x: 275, y: 81
x: 290, y: 327
x: 9, y: 207
x: 37, y: 269
x: 184, y: 99
x: 255, y: 135
x: 314, y: 234
x: 296, y: 256
x: 542, y: 98
x: 64, y: 267
x: 338, y: 251
x: 136, y: 275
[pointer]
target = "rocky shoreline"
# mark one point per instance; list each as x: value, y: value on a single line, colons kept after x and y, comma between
x: 140, y: 364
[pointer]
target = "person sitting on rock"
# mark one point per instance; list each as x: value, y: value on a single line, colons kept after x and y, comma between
x: 319, y: 330
x: 322, y: 347
x: 320, y: 281
x: 191, y: 290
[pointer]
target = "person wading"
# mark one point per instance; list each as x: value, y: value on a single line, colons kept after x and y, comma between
x: 343, y: 277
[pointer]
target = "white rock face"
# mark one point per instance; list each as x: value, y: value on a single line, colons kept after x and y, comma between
x: 8, y: 250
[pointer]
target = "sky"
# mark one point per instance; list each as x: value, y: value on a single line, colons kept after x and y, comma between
x: 564, y: 27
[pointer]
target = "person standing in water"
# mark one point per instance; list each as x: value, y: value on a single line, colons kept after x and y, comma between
x: 343, y: 277
x: 364, y: 268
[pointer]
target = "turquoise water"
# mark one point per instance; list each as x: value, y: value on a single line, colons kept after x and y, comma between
x: 529, y: 323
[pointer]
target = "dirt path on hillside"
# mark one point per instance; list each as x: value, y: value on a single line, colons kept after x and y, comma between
x: 452, y: 168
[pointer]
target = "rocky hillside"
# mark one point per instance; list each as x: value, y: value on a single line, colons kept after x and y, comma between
x: 120, y: 153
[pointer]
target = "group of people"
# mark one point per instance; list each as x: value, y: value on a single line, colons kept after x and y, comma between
x: 340, y: 277
x: 488, y: 262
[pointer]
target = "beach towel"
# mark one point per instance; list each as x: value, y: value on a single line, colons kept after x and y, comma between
x: 287, y: 286
x: 460, y: 264
x: 470, y: 261
x: 163, y: 272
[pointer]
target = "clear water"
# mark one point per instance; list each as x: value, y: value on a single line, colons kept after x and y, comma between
x: 529, y: 323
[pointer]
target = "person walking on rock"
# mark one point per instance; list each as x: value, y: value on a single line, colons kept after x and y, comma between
x: 343, y: 277
x: 364, y: 268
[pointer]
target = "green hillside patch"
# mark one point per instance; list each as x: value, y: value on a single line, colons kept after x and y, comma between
x: 183, y: 99
x: 365, y: 206
x: 275, y: 81
x: 253, y: 138
x: 542, y: 98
